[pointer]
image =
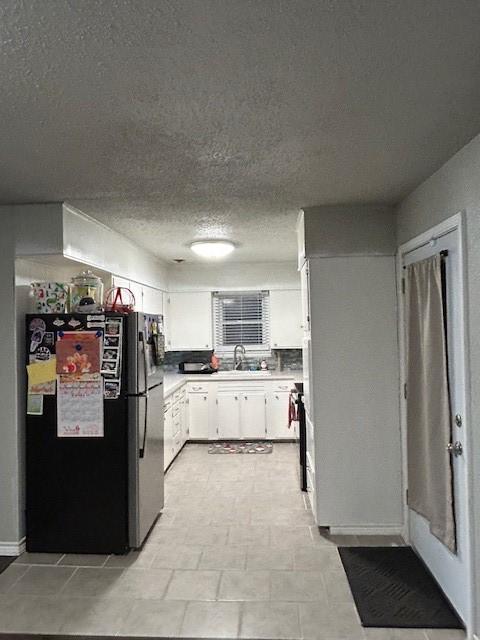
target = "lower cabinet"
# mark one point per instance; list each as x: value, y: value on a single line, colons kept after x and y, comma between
x: 277, y: 416
x: 209, y: 410
x: 167, y: 433
x: 198, y: 416
x: 228, y: 416
x: 253, y: 414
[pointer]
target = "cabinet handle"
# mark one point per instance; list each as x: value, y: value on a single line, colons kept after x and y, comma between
x: 246, y: 397
x: 204, y: 397
x: 236, y: 397
x: 277, y: 397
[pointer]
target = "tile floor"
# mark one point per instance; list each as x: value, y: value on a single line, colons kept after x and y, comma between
x: 234, y: 554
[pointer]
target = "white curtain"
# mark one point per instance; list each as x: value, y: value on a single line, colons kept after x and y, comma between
x: 430, y: 491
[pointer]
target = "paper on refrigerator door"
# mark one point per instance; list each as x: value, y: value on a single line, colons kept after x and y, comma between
x: 80, y: 406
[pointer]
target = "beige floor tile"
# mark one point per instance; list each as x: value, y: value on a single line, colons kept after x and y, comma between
x: 445, y: 634
x: 282, y: 516
x: 92, y: 581
x: 297, y: 586
x: 270, y: 620
x: 163, y: 535
x: 397, y: 634
x: 182, y: 556
x: 94, y: 616
x: 224, y: 557
x: 39, y: 558
x: 211, y: 620
x: 321, y: 621
x: 193, y: 585
x: 42, y: 580
x: 244, y: 585
x: 290, y: 537
x: 317, y: 558
x: 158, y: 618
x: 11, y: 574
x: 140, y: 559
x: 141, y: 584
x: 270, y: 559
x: 213, y: 535
x: 249, y: 535
x: 83, y: 560
x: 31, y: 614
x: 337, y: 587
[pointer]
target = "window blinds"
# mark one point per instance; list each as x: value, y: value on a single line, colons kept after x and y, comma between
x: 241, y: 318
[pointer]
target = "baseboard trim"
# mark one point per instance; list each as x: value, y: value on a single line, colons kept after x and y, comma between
x: 12, y: 548
x: 373, y: 530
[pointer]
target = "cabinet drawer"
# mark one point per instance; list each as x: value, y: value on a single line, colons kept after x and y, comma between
x: 197, y: 387
x: 178, y: 395
x: 281, y: 385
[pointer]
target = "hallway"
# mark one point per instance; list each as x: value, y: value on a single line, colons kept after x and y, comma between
x: 235, y: 554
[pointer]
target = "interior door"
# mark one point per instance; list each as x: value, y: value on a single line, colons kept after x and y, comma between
x: 228, y: 416
x: 451, y: 570
x: 253, y: 414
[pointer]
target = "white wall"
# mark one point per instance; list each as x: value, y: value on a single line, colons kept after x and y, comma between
x: 355, y: 368
x: 347, y: 230
x: 10, y: 517
x: 456, y: 187
x: 233, y: 276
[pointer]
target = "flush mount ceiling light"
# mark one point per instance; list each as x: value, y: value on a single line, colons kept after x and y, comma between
x: 212, y: 248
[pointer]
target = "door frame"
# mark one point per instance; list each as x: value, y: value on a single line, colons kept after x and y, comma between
x: 454, y: 223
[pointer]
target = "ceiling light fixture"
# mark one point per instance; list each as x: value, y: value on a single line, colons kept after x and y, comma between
x: 212, y: 248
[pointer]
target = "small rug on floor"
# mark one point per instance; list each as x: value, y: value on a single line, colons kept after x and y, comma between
x: 392, y: 588
x: 241, y: 447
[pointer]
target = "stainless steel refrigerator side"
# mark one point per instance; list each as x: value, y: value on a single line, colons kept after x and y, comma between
x: 133, y: 470
x: 150, y: 465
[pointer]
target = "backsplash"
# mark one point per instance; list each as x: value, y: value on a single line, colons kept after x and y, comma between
x: 280, y: 360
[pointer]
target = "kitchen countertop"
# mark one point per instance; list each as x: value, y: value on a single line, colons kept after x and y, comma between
x: 173, y: 381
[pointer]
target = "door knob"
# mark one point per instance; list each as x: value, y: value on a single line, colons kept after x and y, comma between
x: 455, y: 448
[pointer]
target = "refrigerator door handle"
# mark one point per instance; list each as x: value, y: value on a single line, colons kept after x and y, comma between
x: 141, y: 451
x: 145, y: 366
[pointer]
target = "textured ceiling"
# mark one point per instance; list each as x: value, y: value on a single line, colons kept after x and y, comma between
x: 172, y: 120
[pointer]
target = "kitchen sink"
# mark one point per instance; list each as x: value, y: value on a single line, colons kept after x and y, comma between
x: 246, y: 374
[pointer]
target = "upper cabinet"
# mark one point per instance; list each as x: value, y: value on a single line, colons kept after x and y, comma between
x: 147, y: 299
x: 286, y: 319
x: 189, y: 321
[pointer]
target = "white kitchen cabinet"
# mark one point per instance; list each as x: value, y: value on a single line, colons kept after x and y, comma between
x: 286, y: 319
x: 152, y: 300
x: 277, y: 416
x: 228, y: 416
x: 137, y: 291
x: 198, y: 416
x: 189, y: 321
x: 168, y: 452
x: 253, y: 418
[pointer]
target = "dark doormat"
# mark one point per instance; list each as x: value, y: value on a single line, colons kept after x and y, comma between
x: 392, y: 588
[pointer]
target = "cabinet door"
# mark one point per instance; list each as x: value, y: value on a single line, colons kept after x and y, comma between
x: 168, y: 435
x: 253, y: 420
x: 277, y: 416
x: 228, y: 416
x: 189, y: 321
x: 286, y: 319
x: 137, y: 291
x: 198, y: 416
x: 152, y: 300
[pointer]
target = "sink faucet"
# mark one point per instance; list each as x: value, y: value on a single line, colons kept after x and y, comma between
x: 238, y: 361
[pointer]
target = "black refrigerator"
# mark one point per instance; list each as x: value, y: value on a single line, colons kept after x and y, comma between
x: 100, y: 492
